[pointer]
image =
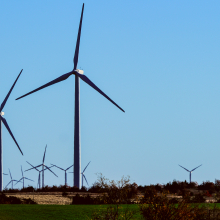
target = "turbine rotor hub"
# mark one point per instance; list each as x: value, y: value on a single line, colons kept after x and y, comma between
x: 79, y: 71
x: 2, y: 113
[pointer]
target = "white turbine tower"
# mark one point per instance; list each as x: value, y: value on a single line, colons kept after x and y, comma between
x: 9, y: 130
x: 78, y: 75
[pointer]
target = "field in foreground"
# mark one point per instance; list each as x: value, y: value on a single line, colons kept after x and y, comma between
x: 64, y: 212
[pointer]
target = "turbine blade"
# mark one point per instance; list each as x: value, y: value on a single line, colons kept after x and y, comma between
x: 44, y: 153
x: 75, y: 60
x: 33, y: 167
x: 46, y: 168
x: 85, y: 179
x: 59, y: 79
x: 57, y: 167
x: 50, y: 170
x: 28, y: 179
x: 86, y: 166
x: 196, y: 167
x: 10, y: 173
x: 89, y: 82
x: 6, y: 98
x: 8, y: 184
x: 184, y: 168
x: 18, y: 180
x: 68, y: 168
x: 9, y: 130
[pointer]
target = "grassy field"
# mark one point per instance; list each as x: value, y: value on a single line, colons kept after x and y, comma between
x: 64, y: 212
x: 60, y: 212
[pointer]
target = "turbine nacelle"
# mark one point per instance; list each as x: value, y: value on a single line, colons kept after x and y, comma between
x: 79, y: 71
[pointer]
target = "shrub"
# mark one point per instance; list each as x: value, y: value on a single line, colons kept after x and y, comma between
x: 198, y: 198
x: 161, y: 208
x: 77, y: 199
x: 27, y: 189
x: 64, y: 194
x: 116, y: 192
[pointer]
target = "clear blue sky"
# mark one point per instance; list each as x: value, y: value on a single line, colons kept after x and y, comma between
x: 159, y: 60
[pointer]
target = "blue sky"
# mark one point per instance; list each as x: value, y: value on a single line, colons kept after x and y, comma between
x: 159, y: 60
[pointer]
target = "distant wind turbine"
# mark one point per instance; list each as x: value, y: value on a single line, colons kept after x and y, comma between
x: 190, y: 172
x: 64, y: 171
x: 9, y: 130
x: 83, y: 176
x: 43, y: 168
x: 39, y: 171
x: 78, y: 75
x: 23, y: 177
x: 12, y: 180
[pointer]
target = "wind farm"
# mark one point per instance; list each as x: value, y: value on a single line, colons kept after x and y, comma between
x: 156, y: 65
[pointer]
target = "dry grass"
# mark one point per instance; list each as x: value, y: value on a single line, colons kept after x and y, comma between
x: 49, y: 198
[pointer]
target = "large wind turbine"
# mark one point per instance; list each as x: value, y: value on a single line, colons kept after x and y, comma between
x: 190, y: 172
x: 43, y: 168
x: 64, y: 171
x: 78, y: 75
x: 9, y: 130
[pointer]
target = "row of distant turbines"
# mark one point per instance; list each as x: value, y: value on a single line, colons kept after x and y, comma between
x: 78, y: 75
x: 44, y: 167
x: 41, y: 171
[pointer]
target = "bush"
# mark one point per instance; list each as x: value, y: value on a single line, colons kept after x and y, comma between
x: 27, y: 189
x: 116, y: 192
x: 161, y: 208
x: 198, y: 198
x: 64, y: 194
x: 85, y: 200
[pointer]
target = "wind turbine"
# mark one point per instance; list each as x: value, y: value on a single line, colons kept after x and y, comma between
x: 64, y: 171
x: 43, y: 168
x: 38, y: 171
x: 11, y: 181
x: 78, y: 75
x: 23, y: 177
x: 9, y: 130
x: 83, y: 176
x: 190, y: 172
